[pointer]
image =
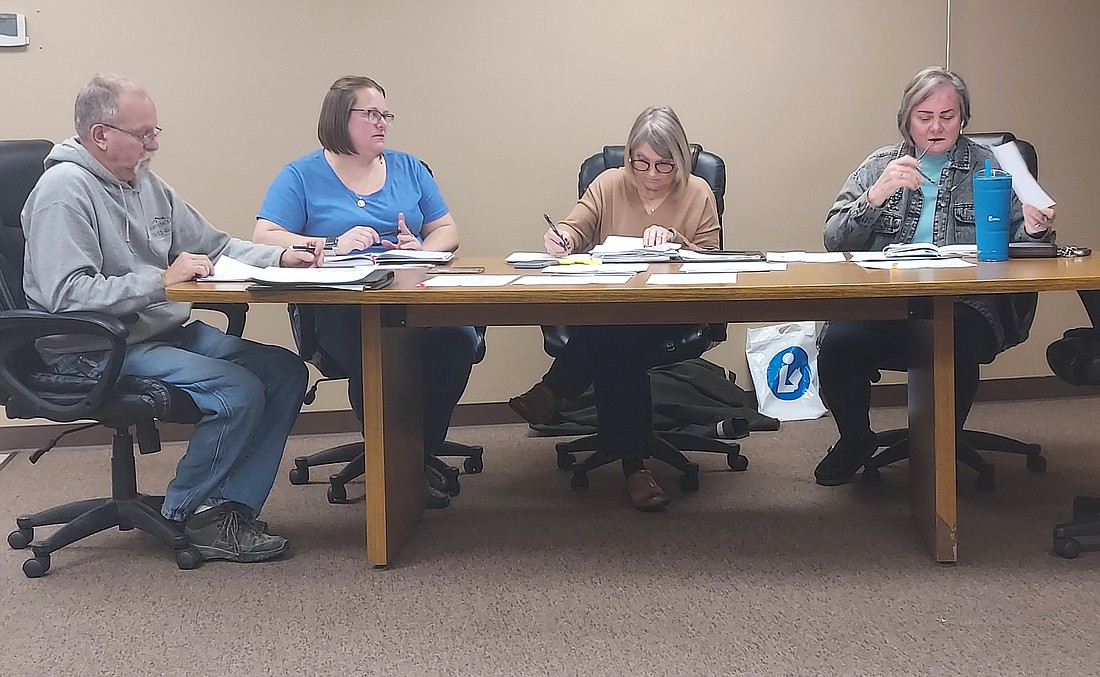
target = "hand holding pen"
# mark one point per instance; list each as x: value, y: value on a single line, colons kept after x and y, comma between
x: 555, y: 241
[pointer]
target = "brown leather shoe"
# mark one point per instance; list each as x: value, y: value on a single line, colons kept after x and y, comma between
x: 537, y: 405
x: 645, y: 493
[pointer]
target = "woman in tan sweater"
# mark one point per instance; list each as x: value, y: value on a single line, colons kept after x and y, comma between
x: 655, y: 196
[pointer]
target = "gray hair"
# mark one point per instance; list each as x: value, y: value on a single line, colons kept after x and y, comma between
x: 661, y: 129
x: 97, y: 102
x: 921, y: 87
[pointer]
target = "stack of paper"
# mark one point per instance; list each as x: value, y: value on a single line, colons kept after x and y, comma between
x: 620, y: 249
x: 722, y: 256
x: 412, y: 256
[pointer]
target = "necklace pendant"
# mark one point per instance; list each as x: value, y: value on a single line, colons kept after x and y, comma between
x: 361, y: 203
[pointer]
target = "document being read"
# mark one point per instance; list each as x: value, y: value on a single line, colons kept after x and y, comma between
x: 1025, y: 185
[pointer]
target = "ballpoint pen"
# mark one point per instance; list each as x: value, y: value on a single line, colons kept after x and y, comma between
x: 329, y: 248
x: 931, y: 142
x: 561, y: 238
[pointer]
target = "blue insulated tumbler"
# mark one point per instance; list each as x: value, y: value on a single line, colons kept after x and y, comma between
x: 992, y: 200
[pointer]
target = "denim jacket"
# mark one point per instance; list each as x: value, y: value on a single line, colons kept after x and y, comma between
x: 854, y: 225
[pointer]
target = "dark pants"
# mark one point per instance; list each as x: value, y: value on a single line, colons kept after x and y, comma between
x: 616, y: 361
x: 449, y: 355
x: 851, y: 352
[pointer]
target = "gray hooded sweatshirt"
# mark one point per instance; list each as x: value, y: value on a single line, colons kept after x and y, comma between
x: 96, y: 243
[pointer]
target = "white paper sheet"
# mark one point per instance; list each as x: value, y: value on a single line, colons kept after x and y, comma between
x: 468, y: 281
x: 573, y: 279
x: 699, y: 279
x: 742, y: 267
x: 806, y: 257
x: 596, y: 269
x: 1023, y: 183
x: 310, y: 276
x: 227, y: 269
x: 915, y: 264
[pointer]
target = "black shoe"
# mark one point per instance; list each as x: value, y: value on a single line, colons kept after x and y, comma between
x: 225, y: 533
x: 435, y: 488
x: 844, y: 460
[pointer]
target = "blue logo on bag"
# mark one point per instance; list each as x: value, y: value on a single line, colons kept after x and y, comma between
x: 789, y: 373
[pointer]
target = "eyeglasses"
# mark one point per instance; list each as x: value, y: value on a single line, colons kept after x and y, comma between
x: 145, y: 139
x: 374, y: 115
x: 662, y: 166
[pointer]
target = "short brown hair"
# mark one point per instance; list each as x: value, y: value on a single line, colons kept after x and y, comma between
x: 332, y: 125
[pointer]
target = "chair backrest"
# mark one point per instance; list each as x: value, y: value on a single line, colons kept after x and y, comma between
x: 990, y: 139
x: 704, y: 164
x: 20, y: 168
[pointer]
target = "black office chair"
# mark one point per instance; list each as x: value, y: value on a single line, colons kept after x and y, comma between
x: 28, y: 390
x: 969, y: 443
x: 305, y: 337
x: 1075, y: 358
x: 667, y: 447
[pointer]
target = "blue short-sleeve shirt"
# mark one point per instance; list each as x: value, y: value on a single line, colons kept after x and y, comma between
x: 309, y: 199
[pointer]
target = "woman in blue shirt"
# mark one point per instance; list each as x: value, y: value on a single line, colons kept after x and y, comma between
x: 361, y: 196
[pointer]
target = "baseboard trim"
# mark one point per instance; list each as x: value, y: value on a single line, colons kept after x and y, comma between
x: 31, y: 436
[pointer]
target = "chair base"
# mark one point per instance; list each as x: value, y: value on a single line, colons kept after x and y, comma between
x: 664, y: 446
x: 895, y: 447
x: 1086, y: 523
x: 125, y: 509
x: 82, y: 519
x: 352, y: 455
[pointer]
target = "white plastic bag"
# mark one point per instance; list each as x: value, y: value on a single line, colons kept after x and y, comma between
x: 783, y: 363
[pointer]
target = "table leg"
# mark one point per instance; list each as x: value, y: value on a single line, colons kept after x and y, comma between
x: 393, y: 402
x: 931, y: 388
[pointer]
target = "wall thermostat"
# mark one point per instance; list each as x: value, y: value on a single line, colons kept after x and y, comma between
x: 13, y: 30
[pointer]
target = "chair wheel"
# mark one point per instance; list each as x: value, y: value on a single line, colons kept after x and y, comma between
x: 986, y: 482
x: 1037, y: 463
x: 473, y: 465
x: 188, y: 559
x: 452, y: 487
x: 36, y: 567
x: 871, y: 475
x: 566, y: 461
x: 689, y: 482
x: 337, y: 494
x: 1070, y: 548
x: 578, y: 481
x: 737, y: 462
x: 20, y: 538
x: 299, y: 475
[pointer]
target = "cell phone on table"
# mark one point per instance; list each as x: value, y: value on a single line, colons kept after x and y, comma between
x: 465, y: 270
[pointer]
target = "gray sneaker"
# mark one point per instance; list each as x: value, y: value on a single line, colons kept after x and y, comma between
x: 226, y: 534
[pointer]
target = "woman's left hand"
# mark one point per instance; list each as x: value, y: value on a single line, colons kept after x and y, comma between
x: 1038, y: 221
x: 405, y: 238
x: 657, y: 235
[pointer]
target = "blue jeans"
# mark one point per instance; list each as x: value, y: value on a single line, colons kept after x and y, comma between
x: 250, y: 394
x: 449, y: 356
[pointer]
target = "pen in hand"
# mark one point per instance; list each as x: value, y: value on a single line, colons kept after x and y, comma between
x: 553, y: 227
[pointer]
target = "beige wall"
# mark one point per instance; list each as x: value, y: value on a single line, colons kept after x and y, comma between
x: 504, y: 99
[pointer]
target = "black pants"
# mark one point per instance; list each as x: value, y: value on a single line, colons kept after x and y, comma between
x: 616, y: 361
x: 851, y: 353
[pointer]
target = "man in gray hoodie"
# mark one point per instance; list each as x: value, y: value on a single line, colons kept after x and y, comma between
x: 106, y: 234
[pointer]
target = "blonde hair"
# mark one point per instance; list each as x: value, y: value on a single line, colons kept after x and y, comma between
x: 659, y: 127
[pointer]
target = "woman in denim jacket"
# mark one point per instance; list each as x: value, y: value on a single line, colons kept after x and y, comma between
x: 919, y: 190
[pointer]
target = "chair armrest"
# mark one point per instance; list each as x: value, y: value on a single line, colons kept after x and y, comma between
x: 19, y: 329
x: 234, y: 313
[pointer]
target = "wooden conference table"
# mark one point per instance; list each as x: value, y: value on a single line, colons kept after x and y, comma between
x: 392, y: 386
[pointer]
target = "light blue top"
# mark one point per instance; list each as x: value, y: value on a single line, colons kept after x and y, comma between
x: 932, y: 166
x: 308, y: 198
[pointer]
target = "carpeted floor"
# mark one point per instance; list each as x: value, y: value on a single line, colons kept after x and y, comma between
x: 761, y: 572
